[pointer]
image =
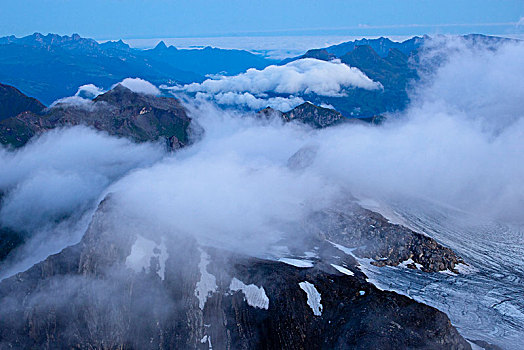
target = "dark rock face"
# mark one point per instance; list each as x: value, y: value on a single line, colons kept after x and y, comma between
x: 192, y: 297
x: 9, y: 240
x: 309, y: 114
x: 376, y: 238
x: 13, y: 102
x: 119, y: 112
x: 317, y: 117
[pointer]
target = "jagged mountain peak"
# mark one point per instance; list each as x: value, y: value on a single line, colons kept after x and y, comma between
x: 161, y: 46
x: 118, y: 45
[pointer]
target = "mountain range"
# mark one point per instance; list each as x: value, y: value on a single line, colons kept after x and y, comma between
x: 394, y: 64
x: 51, y: 66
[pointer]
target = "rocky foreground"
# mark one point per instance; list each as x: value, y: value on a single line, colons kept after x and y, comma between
x: 125, y: 288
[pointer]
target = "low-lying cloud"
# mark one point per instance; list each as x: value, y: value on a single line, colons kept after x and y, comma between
x: 292, y: 80
x: 249, y: 101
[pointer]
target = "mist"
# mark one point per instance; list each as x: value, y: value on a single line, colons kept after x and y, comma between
x: 459, y: 143
x: 49, y: 184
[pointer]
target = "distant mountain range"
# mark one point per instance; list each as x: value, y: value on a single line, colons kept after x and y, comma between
x: 394, y: 64
x: 51, y: 66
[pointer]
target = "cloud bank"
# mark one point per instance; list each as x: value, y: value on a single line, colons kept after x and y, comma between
x: 292, y: 80
x: 459, y: 144
x: 249, y: 101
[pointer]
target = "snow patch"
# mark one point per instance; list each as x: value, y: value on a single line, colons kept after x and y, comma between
x: 348, y: 251
x: 343, y: 270
x: 474, y: 346
x: 465, y: 269
x: 313, y: 297
x: 143, y: 252
x: 310, y: 255
x: 254, y: 296
x: 207, y: 283
x: 405, y: 263
x: 410, y: 261
x: 296, y: 262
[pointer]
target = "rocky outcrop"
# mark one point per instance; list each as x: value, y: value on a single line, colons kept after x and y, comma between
x: 123, y: 287
x: 118, y: 112
x: 370, y: 235
x: 309, y: 114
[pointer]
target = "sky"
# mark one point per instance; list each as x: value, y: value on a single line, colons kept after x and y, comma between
x: 145, y: 19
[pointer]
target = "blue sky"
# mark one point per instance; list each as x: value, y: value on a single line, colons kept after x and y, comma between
x: 113, y: 19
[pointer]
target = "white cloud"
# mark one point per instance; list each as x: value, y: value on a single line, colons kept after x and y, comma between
x: 86, y: 93
x: 300, y: 77
x: 473, y: 81
x: 304, y: 76
x: 247, y: 100
x: 140, y: 86
x: 83, y: 97
x: 89, y: 91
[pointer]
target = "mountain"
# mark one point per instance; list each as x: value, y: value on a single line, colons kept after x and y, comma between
x: 394, y: 71
x: 316, y: 116
x: 124, y: 286
x: 13, y: 102
x: 118, y: 112
x: 309, y: 114
x: 394, y: 64
x: 51, y: 66
x: 319, y: 54
x: 381, y: 46
x: 207, y: 60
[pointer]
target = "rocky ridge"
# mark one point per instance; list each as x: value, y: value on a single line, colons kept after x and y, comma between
x: 118, y: 112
